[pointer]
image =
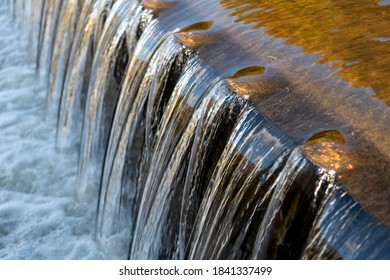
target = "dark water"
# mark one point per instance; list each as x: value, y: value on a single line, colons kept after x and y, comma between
x: 222, y: 129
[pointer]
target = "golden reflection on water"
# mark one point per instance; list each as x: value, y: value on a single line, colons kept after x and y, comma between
x: 249, y: 71
x: 326, y: 136
x: 199, y: 26
x: 156, y: 5
x: 192, y: 37
x: 325, y: 149
x: 352, y: 36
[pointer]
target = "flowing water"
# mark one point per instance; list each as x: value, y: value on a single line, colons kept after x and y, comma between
x: 39, y: 217
x: 161, y: 130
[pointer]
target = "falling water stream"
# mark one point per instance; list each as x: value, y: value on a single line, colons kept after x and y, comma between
x: 149, y: 130
x: 39, y: 217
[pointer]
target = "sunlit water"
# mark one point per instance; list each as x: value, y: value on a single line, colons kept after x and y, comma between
x: 177, y: 165
x: 39, y: 217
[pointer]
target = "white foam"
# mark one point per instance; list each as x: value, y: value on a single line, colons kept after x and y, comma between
x: 39, y: 217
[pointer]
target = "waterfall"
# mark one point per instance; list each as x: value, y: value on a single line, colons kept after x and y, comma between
x: 71, y: 113
x: 174, y: 157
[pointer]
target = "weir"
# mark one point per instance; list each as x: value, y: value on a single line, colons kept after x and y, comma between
x: 220, y: 129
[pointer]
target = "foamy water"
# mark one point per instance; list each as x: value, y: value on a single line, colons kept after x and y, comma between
x: 39, y: 216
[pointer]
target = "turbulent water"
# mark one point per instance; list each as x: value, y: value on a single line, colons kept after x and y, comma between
x: 39, y: 217
x: 119, y: 141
